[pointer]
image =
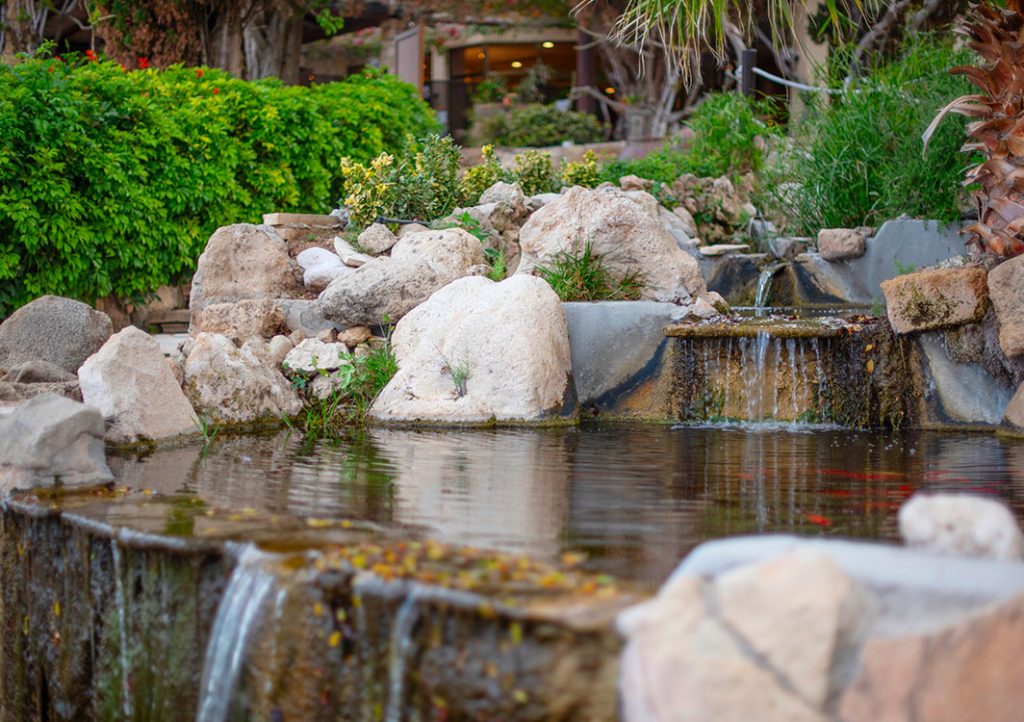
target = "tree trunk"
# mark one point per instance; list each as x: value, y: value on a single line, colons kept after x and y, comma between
x: 22, y: 24
x: 273, y: 43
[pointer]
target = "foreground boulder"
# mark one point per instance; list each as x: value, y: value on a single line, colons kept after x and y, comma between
x: 390, y: 287
x: 628, y: 238
x: 50, y: 439
x: 936, y: 298
x: 480, y: 350
x: 61, y: 331
x: 243, y: 261
x: 232, y: 385
x: 961, y: 524
x: 783, y: 629
x: 132, y: 385
x: 1006, y: 289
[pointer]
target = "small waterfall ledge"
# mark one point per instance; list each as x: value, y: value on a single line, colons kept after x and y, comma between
x: 102, y: 622
x: 821, y: 370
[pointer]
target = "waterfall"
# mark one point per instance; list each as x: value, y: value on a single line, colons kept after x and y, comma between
x: 122, y: 625
x: 237, y: 617
x: 764, y: 286
x: 402, y: 646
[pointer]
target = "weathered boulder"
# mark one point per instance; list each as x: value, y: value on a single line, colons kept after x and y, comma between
x: 501, y: 220
x: 50, y: 439
x: 231, y: 385
x: 619, y: 229
x: 241, y: 262
x: 38, y: 371
x: 936, y: 298
x: 377, y: 239
x: 129, y: 381
x: 842, y: 244
x: 304, y: 315
x: 480, y: 350
x: 320, y: 267
x: 61, y: 331
x: 635, y: 183
x: 961, y: 524
x: 313, y: 355
x: 1006, y: 289
x: 390, y: 287
x: 502, y: 192
x: 263, y: 317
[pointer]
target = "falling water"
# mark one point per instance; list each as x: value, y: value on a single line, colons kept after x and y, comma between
x: 764, y: 286
x: 122, y: 624
x: 237, y: 616
x: 402, y: 644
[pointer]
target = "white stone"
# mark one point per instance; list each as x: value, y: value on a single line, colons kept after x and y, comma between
x: 349, y: 255
x: 479, y: 350
x: 320, y: 267
x: 377, y: 239
x: 278, y: 348
x: 961, y: 524
x: 313, y: 355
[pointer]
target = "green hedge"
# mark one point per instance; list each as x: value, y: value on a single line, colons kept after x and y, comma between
x: 538, y: 126
x: 112, y: 181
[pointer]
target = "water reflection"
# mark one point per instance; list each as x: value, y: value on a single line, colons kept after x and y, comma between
x: 636, y: 499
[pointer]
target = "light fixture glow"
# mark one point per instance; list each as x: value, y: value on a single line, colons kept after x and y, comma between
x: 610, y: 90
x: 516, y: 64
x: 547, y: 44
x: 480, y: 56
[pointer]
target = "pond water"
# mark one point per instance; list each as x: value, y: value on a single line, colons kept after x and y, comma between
x: 634, y: 499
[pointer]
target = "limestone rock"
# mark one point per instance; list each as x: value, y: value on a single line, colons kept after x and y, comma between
x: 278, y: 349
x: 502, y: 192
x: 937, y: 298
x: 241, y: 262
x: 390, y: 287
x: 479, y: 350
x: 231, y: 385
x: 50, y: 439
x: 304, y: 315
x: 38, y: 371
x: 408, y: 228
x: 1006, y: 288
x: 313, y: 355
x: 688, y: 224
x: 635, y: 183
x: 349, y: 255
x: 377, y: 239
x: 131, y: 384
x: 320, y: 267
x: 354, y: 336
x: 961, y: 524
x: 58, y: 330
x: 261, y: 318
x: 841, y: 244
x: 619, y: 229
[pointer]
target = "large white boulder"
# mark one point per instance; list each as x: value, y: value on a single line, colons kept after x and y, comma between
x: 480, y: 350
x: 228, y: 384
x: 623, y: 231
x: 961, y: 524
x: 131, y: 384
x: 387, y: 288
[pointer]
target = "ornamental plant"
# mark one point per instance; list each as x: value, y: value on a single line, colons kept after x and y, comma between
x: 482, y: 176
x: 111, y: 181
x: 534, y: 173
x: 584, y: 172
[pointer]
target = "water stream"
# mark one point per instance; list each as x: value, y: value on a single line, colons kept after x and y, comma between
x: 764, y: 286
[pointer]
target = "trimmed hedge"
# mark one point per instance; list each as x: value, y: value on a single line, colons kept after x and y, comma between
x: 112, y: 181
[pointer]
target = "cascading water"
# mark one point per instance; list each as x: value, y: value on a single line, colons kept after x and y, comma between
x: 238, y: 615
x: 764, y: 287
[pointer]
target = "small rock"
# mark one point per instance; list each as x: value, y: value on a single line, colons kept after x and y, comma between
x: 635, y: 183
x: 49, y: 440
x: 38, y: 371
x: 841, y: 244
x: 408, y: 228
x: 322, y: 387
x: 327, y: 335
x: 785, y: 248
x: 349, y: 255
x: 304, y: 315
x: 61, y: 331
x: 701, y: 309
x: 320, y: 267
x: 502, y: 192
x: 278, y: 349
x: 722, y: 249
x: 354, y: 336
x: 129, y: 381
x: 313, y: 355
x: 934, y: 299
x: 261, y: 318
x: 377, y: 239
x: 297, y: 337
x: 961, y: 524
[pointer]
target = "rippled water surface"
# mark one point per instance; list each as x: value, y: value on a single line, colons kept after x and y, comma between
x: 635, y: 499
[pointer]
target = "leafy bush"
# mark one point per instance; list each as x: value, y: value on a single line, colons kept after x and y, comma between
x: 480, y: 177
x: 540, y: 125
x: 415, y: 185
x: 729, y: 133
x: 111, y: 182
x: 583, y: 276
x: 490, y: 91
x: 534, y: 172
x: 584, y: 172
x: 860, y: 161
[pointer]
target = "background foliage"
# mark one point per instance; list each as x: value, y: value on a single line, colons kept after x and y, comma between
x: 112, y: 181
x: 536, y: 126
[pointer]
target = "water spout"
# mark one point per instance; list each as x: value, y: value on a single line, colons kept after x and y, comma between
x: 764, y: 286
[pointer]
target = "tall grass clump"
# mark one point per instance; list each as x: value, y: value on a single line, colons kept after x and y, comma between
x: 584, y: 276
x: 858, y: 159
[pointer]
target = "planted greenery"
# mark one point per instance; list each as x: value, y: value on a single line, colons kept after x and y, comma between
x: 478, y: 178
x: 584, y: 172
x: 859, y: 160
x: 584, y: 276
x: 536, y: 126
x: 534, y: 173
x: 111, y: 181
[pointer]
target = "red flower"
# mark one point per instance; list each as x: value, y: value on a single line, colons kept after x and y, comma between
x: 123, y: 69
x: 216, y: 91
x: 50, y: 70
x: 143, y: 62
x: 199, y: 72
x: 90, y: 55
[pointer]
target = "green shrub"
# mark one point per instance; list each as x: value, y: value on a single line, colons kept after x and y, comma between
x: 729, y: 133
x: 584, y: 276
x: 534, y: 172
x: 584, y: 172
x: 536, y: 126
x: 859, y: 160
x: 414, y: 185
x: 490, y: 91
x: 480, y: 177
x: 111, y: 182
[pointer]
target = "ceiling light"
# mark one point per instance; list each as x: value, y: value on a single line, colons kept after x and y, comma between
x: 547, y: 44
x: 516, y: 64
x: 610, y: 90
x: 480, y: 56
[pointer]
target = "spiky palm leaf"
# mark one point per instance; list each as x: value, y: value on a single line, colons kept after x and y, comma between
x: 997, y: 36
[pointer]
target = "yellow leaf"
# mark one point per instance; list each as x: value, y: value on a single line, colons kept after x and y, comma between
x: 335, y: 639
x: 56, y: 609
x: 871, y: 366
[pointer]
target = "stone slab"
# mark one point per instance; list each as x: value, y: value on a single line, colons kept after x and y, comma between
x: 959, y: 393
x: 309, y: 219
